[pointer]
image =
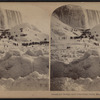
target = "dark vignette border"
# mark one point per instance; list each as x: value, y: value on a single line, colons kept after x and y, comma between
x: 49, y: 0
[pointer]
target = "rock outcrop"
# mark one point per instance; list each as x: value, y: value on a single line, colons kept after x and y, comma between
x: 77, y: 17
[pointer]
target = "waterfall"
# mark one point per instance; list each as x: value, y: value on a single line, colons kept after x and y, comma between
x: 9, y: 18
x: 86, y: 18
x: 13, y: 18
x: 93, y: 17
x: 2, y: 21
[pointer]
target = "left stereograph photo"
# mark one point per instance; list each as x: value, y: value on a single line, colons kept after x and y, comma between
x: 24, y: 48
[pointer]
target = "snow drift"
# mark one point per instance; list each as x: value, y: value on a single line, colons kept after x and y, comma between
x: 81, y: 84
x: 33, y: 81
x: 34, y: 53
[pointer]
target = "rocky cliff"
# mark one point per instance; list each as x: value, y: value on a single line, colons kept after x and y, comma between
x: 77, y: 17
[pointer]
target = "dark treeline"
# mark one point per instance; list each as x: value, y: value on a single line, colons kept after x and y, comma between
x: 7, y: 34
x: 35, y: 43
x: 85, y: 34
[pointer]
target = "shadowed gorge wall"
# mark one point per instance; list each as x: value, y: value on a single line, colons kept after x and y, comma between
x: 77, y: 17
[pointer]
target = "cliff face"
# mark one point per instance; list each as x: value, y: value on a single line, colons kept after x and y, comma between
x: 9, y: 18
x: 77, y: 17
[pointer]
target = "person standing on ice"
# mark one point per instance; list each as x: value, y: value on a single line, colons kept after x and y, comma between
x: 85, y: 45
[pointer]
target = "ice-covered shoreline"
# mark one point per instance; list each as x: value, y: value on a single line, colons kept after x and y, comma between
x: 32, y: 82
x: 81, y: 84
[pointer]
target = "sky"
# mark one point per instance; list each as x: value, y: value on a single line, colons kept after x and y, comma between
x: 39, y: 13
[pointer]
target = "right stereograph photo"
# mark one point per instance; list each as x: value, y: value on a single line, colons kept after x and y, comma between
x: 75, y: 49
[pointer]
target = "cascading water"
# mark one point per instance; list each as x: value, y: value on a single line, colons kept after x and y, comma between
x: 13, y: 18
x: 9, y: 18
x: 2, y: 20
x: 93, y: 17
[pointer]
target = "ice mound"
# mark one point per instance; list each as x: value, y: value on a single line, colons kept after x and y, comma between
x: 15, y: 52
x: 2, y: 88
x: 34, y: 53
x: 29, y: 52
x: 33, y: 81
x: 92, y: 53
x: 24, y: 72
x: 1, y: 51
x: 81, y: 84
x: 86, y: 66
x: 38, y: 53
x: 13, y: 67
x: 35, y: 74
x: 65, y: 84
x: 41, y: 64
x: 57, y: 69
x: 7, y: 55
